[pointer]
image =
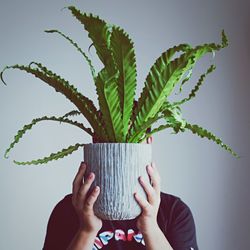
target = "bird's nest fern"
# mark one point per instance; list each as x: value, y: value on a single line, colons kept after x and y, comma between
x: 121, y: 118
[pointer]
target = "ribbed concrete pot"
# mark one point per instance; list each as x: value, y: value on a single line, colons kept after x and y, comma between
x: 117, y: 167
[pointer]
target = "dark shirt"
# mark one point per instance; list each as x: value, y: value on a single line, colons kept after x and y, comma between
x: 174, y: 219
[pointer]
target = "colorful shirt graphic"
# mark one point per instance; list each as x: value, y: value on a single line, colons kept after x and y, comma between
x: 118, y: 235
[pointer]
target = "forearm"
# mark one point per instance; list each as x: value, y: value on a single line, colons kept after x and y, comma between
x: 82, y: 241
x: 156, y: 240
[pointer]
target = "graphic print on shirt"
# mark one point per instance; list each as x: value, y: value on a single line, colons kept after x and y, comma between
x: 103, y: 238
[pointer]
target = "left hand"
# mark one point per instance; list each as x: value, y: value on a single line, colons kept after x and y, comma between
x: 147, y: 220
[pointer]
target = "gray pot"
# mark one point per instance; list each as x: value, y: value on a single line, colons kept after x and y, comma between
x: 117, y: 167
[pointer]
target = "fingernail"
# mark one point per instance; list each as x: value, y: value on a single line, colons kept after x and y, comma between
x: 141, y: 179
x: 91, y: 175
x: 83, y: 165
x: 153, y: 165
x: 96, y: 189
x: 149, y: 167
x: 149, y: 140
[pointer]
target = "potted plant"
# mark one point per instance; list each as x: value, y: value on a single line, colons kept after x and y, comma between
x: 121, y: 123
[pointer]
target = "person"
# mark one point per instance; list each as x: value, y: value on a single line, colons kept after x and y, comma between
x: 165, y: 222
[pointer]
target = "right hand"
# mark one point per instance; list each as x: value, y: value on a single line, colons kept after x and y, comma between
x: 83, y: 205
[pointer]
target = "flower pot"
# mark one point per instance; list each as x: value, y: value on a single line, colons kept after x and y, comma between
x: 117, y: 167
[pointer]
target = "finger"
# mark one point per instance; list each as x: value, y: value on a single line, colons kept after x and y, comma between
x: 78, y: 180
x: 92, y: 199
x: 82, y: 193
x: 79, y: 177
x: 145, y: 206
x: 149, y: 190
x: 154, y: 176
x: 149, y: 140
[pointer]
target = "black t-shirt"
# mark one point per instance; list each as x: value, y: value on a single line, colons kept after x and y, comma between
x: 174, y: 219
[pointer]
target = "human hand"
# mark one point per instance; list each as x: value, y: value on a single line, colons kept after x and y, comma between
x: 83, y: 204
x: 147, y: 220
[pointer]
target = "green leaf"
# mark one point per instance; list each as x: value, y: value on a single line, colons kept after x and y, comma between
x: 108, y: 97
x: 163, y: 77
x: 204, y: 133
x: 124, y: 56
x: 1, y: 75
x: 53, y: 156
x: 78, y: 48
x: 197, y: 86
x: 186, y: 79
x: 155, y: 130
x: 155, y: 90
x: 72, y: 113
x: 85, y: 105
x: 138, y: 135
x: 29, y: 126
x: 99, y: 32
x: 173, y: 117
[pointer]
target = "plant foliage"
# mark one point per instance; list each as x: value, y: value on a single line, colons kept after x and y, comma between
x: 120, y: 117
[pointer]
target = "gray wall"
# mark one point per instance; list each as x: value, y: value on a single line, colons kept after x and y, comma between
x: 213, y: 183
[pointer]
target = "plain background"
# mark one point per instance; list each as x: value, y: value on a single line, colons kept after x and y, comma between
x: 213, y: 183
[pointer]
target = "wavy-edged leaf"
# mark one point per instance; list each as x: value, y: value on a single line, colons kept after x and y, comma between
x: 99, y: 32
x: 108, y: 97
x: 196, y: 87
x: 196, y: 129
x: 54, y: 156
x: 138, y: 135
x: 173, y: 117
x: 124, y: 56
x: 85, y: 105
x: 153, y: 87
x: 72, y: 113
x: 78, y: 48
x: 155, y: 130
x: 163, y: 77
x: 1, y: 75
x: 29, y: 126
x: 186, y: 79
